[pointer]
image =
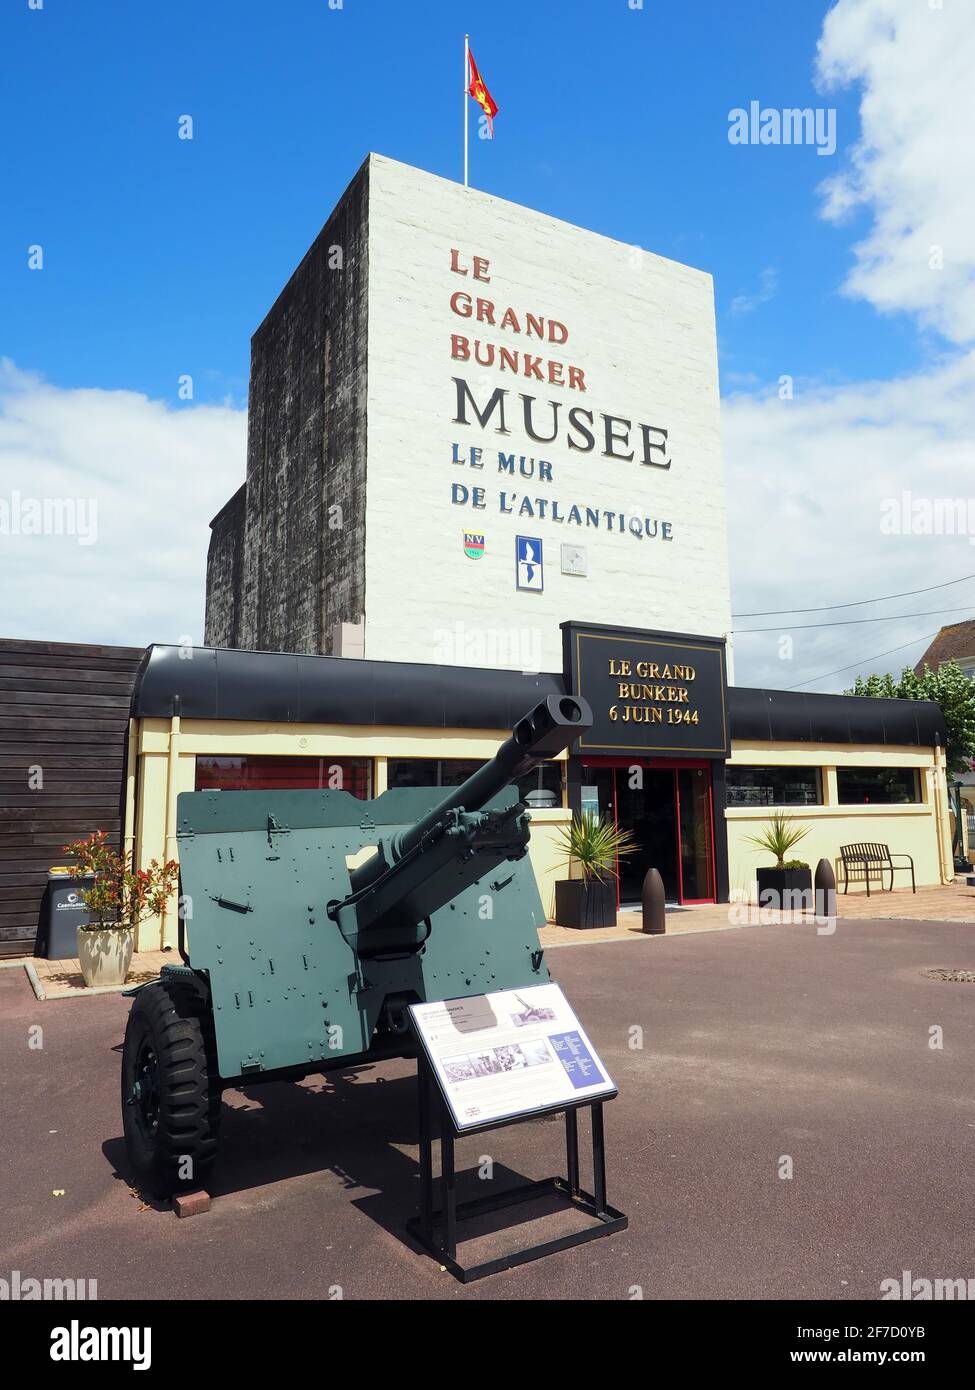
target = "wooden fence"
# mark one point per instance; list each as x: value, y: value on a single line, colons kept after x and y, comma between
x: 64, y: 714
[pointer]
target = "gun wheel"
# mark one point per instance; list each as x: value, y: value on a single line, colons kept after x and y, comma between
x: 170, y: 1087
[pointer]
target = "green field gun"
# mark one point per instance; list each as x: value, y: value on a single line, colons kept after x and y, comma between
x: 310, y: 920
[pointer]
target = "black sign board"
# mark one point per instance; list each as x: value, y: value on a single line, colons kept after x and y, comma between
x: 652, y: 693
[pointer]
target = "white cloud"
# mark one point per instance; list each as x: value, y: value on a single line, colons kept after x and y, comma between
x: 913, y: 168
x: 155, y: 475
x: 768, y: 283
x: 808, y: 480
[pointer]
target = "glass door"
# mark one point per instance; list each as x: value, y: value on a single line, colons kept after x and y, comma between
x: 668, y: 811
x: 648, y: 810
x: 696, y: 834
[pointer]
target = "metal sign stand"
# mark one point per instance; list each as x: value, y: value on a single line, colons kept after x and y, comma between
x: 436, y: 1229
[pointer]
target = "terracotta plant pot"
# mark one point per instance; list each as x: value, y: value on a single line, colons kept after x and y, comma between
x: 105, y: 954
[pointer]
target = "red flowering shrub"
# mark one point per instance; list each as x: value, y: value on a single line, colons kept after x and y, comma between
x: 120, y: 896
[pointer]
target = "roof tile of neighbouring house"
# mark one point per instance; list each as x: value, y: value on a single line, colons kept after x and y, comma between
x: 954, y: 642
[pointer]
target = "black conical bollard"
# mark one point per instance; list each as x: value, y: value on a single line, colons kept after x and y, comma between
x: 824, y: 885
x: 654, y: 904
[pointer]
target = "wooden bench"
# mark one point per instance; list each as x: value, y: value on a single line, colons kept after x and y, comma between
x: 870, y: 855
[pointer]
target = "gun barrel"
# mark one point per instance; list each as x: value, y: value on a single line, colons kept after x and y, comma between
x: 552, y: 726
x: 554, y: 723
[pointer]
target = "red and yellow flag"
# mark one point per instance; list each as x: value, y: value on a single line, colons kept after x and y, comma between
x: 481, y: 94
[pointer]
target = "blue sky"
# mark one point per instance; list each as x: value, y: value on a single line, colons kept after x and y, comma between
x: 161, y: 256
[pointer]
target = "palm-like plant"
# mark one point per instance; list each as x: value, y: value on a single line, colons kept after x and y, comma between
x: 595, y: 843
x: 779, y: 837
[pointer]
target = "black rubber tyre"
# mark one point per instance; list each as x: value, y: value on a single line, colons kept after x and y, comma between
x: 170, y: 1087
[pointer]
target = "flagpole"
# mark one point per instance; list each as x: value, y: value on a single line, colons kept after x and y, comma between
x: 467, y: 68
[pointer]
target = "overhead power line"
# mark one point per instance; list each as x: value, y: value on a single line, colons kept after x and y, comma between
x: 863, y: 661
x: 851, y: 622
x: 826, y: 607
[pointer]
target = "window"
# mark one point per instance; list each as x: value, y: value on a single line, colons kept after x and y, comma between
x: 774, y: 786
x: 266, y: 773
x: 882, y: 786
x: 451, y: 772
x: 430, y: 772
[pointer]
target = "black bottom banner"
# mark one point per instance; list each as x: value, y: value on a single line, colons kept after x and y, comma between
x: 192, y: 1339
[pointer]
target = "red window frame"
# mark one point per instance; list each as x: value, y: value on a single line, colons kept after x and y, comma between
x: 285, y: 772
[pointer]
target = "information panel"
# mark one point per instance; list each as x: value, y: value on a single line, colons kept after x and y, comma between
x: 511, y: 1053
x: 650, y: 692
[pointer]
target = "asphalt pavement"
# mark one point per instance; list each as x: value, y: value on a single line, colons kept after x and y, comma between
x: 785, y: 1129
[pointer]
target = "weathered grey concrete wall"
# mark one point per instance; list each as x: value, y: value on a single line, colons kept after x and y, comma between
x: 224, y: 573
x: 287, y: 565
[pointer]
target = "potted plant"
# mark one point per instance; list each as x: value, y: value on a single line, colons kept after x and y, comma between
x: 594, y: 843
x: 119, y: 899
x: 792, y: 876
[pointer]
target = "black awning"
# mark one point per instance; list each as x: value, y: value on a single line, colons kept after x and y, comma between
x: 792, y: 716
x: 277, y: 687
x: 281, y: 688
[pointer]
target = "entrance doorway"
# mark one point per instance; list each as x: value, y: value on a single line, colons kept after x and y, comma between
x: 650, y: 813
x: 667, y: 807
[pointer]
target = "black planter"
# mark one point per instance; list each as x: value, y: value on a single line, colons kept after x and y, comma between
x: 585, y: 903
x: 774, y: 883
